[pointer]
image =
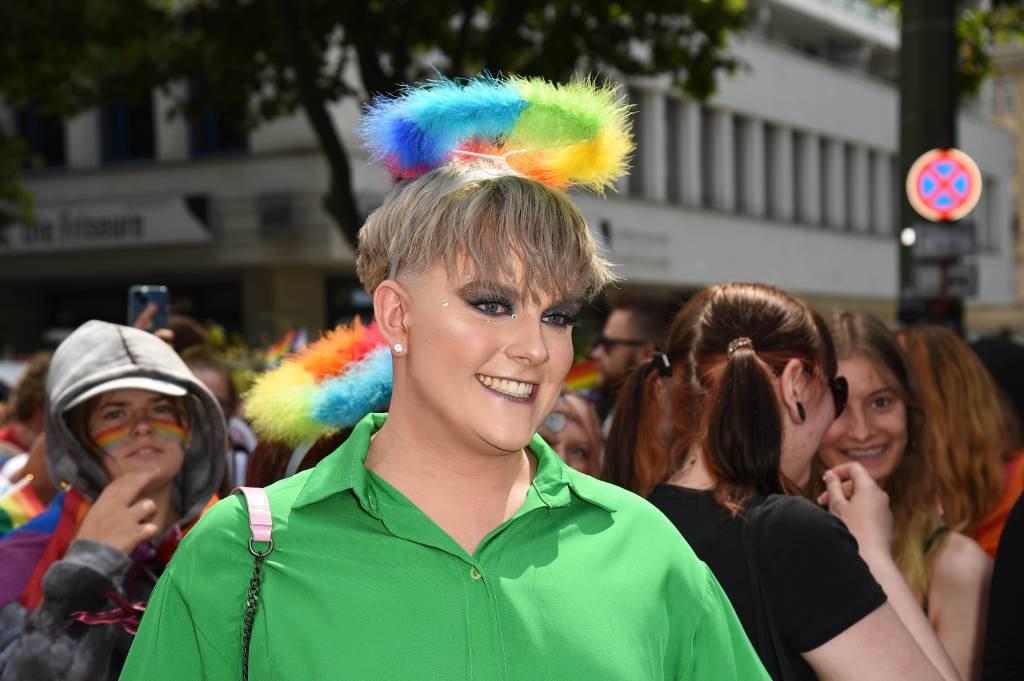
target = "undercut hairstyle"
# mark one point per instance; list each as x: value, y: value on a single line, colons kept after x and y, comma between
x: 724, y: 403
x: 651, y: 312
x: 482, y: 221
x: 29, y: 393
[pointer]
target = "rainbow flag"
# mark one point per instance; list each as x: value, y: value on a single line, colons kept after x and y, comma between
x: 583, y: 376
x: 281, y: 349
x: 18, y: 505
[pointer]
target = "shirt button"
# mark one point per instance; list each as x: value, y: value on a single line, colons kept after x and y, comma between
x: 474, y: 573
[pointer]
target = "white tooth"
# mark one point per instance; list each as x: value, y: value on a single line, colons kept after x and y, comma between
x: 487, y: 380
x: 503, y: 386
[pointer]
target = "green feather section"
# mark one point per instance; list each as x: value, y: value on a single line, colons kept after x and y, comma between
x: 575, y: 112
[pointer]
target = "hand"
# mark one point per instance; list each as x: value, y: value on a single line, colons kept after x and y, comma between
x: 120, y: 517
x: 856, y: 499
x: 145, y: 320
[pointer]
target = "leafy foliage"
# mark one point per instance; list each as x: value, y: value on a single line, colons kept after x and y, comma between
x: 978, y: 31
x: 273, y: 57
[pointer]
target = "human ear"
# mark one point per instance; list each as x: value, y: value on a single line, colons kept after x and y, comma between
x: 793, y: 387
x: 391, y: 305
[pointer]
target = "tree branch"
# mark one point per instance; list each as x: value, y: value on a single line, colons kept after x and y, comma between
x: 339, y: 201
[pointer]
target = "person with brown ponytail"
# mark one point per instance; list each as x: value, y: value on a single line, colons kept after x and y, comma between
x: 883, y: 430
x: 758, y: 390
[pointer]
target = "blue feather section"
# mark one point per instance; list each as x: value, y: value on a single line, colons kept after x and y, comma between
x: 342, y: 400
x: 420, y: 127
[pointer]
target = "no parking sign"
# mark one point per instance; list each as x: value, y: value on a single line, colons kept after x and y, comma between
x: 944, y: 185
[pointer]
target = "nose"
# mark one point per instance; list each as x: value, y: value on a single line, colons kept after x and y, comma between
x: 858, y: 424
x: 527, y: 344
x: 141, y: 427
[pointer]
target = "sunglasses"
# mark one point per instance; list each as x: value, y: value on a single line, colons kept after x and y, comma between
x: 840, y: 392
x: 609, y: 343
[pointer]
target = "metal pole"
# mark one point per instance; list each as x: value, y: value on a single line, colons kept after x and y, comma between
x: 927, y: 110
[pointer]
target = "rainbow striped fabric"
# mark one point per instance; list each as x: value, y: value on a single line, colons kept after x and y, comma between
x: 583, y: 376
x: 18, y: 505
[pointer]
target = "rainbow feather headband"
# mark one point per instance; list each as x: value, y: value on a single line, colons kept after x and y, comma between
x: 331, y: 384
x: 574, y: 134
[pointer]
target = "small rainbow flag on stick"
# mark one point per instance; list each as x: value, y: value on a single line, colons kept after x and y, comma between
x: 583, y: 376
x: 19, y: 505
x: 293, y: 341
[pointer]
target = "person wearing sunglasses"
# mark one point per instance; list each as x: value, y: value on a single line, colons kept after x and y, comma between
x: 634, y: 330
x: 753, y: 389
x: 882, y: 430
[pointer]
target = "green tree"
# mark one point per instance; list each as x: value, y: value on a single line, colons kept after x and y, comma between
x: 978, y: 30
x: 273, y: 57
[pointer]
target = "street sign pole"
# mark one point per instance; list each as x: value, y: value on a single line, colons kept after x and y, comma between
x: 927, y: 115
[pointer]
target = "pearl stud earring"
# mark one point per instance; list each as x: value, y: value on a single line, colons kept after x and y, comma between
x: 398, y: 347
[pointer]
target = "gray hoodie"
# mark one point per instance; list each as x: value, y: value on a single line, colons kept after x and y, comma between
x: 39, y: 644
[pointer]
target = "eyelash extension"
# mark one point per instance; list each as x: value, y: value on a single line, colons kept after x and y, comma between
x: 490, y: 300
x: 568, y: 317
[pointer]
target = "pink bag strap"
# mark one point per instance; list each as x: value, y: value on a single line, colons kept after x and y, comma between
x: 261, y: 522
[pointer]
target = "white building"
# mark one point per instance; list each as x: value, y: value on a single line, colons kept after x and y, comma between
x: 788, y: 175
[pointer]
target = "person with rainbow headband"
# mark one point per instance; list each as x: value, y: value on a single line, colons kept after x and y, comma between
x: 137, y: 444
x: 444, y: 540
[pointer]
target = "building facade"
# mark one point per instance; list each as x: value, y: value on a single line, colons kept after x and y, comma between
x: 787, y: 175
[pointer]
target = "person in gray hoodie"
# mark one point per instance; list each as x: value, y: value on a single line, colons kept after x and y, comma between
x: 136, y: 443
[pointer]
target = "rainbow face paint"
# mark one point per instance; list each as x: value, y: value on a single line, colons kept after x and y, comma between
x: 112, y: 438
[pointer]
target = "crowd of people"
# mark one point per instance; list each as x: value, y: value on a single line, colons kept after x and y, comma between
x: 755, y: 490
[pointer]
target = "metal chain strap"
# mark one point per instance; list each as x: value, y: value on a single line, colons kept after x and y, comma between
x: 251, y: 601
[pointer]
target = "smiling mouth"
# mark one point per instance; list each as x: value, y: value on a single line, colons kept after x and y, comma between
x: 508, y: 389
x: 865, y: 453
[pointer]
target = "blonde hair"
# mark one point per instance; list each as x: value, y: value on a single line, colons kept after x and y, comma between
x: 489, y: 221
x: 967, y: 439
x: 911, y: 487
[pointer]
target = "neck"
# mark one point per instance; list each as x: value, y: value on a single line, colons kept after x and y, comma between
x: 24, y: 435
x: 466, y: 490
x: 695, y: 472
x: 166, y: 515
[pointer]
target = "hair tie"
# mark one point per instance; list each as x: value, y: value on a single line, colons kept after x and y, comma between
x: 741, y: 342
x: 661, y: 364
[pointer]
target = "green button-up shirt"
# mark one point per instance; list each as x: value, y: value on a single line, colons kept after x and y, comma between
x: 585, y: 581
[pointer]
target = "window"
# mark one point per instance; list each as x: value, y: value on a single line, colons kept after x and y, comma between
x: 707, y: 158
x: 849, y: 185
x: 800, y: 143
x: 219, y: 130
x: 43, y: 134
x: 127, y: 130
x: 771, y: 182
x: 673, y: 160
x: 739, y: 163
x: 825, y: 180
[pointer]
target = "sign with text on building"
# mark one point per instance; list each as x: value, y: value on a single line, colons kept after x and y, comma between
x: 124, y: 223
x: 944, y: 185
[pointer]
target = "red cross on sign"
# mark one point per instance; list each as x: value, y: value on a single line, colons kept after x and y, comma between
x: 944, y: 185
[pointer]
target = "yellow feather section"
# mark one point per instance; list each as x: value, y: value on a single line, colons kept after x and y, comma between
x: 280, y: 403
x: 595, y: 164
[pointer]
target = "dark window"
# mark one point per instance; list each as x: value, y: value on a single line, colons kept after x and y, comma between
x: 708, y: 166
x: 127, y: 130
x: 673, y: 159
x: 219, y: 130
x: 739, y: 163
x: 44, y: 136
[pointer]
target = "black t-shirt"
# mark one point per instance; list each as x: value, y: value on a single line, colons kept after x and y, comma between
x: 816, y: 583
x: 1004, y: 654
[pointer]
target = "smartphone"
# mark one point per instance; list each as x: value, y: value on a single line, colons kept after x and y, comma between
x: 141, y: 295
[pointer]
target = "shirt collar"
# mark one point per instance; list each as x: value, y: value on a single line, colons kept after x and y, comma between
x: 554, y: 481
